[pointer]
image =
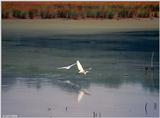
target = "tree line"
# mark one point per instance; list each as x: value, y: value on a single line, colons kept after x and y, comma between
x: 106, y: 11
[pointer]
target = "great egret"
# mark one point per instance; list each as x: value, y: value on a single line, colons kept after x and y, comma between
x: 80, y: 68
x: 67, y: 67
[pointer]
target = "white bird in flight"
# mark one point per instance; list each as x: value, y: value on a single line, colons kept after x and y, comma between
x: 80, y: 68
x: 67, y: 67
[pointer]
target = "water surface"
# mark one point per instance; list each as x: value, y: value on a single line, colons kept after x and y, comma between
x: 118, y: 84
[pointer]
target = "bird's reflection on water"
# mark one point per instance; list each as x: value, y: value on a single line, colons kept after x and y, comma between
x: 76, y: 88
x: 77, y: 85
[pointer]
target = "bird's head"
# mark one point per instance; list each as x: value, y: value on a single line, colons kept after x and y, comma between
x: 86, y: 72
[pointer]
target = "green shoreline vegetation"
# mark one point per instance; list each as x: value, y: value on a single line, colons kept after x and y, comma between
x: 13, y: 10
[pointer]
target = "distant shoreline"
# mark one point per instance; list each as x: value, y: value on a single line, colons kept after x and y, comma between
x: 83, y: 26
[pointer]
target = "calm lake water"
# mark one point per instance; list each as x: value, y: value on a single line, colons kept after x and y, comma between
x: 117, y: 85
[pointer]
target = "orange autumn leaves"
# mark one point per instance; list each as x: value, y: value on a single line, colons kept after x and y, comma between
x: 79, y: 10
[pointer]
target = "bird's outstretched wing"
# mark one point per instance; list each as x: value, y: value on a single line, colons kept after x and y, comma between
x: 67, y: 67
x: 61, y: 68
x: 72, y: 65
x: 79, y: 66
